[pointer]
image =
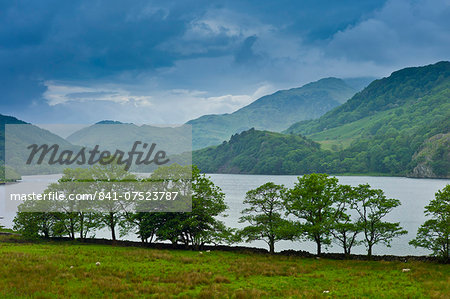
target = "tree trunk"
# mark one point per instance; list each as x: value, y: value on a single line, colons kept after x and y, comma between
x: 448, y: 249
x: 81, y: 226
x: 369, y: 252
x: 72, y: 229
x: 346, y: 248
x: 272, y: 247
x: 112, y: 226
x: 319, y: 247
x: 113, y: 232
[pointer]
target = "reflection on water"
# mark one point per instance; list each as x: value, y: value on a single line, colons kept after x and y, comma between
x: 414, y: 194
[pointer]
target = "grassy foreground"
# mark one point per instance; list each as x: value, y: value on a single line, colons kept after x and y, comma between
x: 62, y: 269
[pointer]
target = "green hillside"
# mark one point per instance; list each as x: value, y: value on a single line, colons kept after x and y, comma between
x: 4, y: 119
x: 385, y: 125
x: 405, y: 88
x: 433, y: 157
x: 18, y: 139
x: 273, y: 112
x: 260, y: 152
x: 396, y: 126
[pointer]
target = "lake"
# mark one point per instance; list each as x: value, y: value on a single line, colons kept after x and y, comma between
x: 414, y: 195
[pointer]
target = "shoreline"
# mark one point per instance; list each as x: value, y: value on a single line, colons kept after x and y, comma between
x: 229, y: 248
x: 337, y: 174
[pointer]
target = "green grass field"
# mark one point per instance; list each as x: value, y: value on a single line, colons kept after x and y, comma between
x: 64, y: 269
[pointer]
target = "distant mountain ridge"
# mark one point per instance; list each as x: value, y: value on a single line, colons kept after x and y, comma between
x: 5, y: 119
x: 274, y: 112
x: 401, y: 87
x: 109, y: 122
x: 397, y: 125
x: 114, y: 135
x: 19, y: 138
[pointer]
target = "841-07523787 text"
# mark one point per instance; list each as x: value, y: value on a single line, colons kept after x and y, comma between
x: 138, y: 195
x: 98, y: 195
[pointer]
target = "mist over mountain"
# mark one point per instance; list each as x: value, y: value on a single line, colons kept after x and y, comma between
x: 274, y: 112
x: 397, y: 125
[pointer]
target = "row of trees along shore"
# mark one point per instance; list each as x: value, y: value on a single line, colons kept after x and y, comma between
x: 317, y: 208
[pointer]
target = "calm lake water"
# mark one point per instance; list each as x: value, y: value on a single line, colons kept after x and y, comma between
x: 414, y: 195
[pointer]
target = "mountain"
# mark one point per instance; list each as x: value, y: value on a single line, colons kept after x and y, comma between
x: 432, y: 160
x: 114, y: 135
x: 406, y: 88
x: 109, y: 122
x: 397, y: 125
x: 12, y: 175
x: 18, y: 138
x: 176, y: 142
x: 273, y: 112
x: 359, y: 83
x: 388, y: 122
x: 260, y: 152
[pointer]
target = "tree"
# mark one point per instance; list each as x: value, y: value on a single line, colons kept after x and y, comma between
x: 372, y: 205
x: 199, y: 226
x: 67, y: 217
x: 434, y: 233
x: 171, y: 227
x: 111, y: 179
x: 150, y: 219
x: 313, y: 201
x: 74, y: 216
x: 145, y: 225
x: 345, y: 229
x: 264, y: 215
x: 208, y: 201
x: 33, y: 225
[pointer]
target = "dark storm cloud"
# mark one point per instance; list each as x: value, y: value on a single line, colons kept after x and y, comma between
x: 245, y: 52
x: 55, y: 54
x: 401, y: 33
x: 68, y: 39
x: 313, y: 19
x: 86, y: 39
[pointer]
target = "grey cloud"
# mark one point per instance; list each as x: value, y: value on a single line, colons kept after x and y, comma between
x: 145, y: 48
x: 91, y: 95
x: 245, y: 53
x: 401, y: 33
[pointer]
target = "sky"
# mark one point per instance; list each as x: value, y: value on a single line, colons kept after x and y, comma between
x: 166, y: 62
